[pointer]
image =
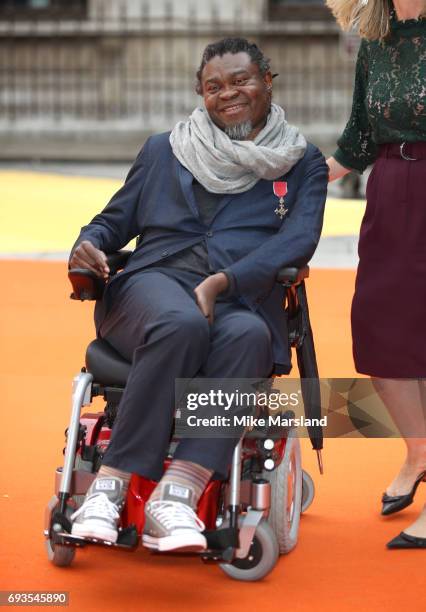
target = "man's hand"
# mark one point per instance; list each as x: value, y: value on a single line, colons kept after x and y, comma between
x: 207, y: 291
x: 90, y: 258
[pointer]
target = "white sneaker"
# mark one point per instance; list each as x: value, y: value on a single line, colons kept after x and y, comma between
x: 99, y: 514
x: 172, y: 525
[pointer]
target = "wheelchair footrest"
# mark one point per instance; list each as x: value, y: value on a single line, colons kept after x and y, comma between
x: 222, y: 544
x: 128, y: 539
x: 218, y: 556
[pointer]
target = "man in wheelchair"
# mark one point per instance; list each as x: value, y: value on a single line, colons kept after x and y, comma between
x: 198, y: 296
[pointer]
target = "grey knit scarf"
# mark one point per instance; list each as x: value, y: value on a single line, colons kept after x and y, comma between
x: 223, y: 165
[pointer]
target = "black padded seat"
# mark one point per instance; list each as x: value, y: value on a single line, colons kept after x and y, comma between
x: 106, y: 365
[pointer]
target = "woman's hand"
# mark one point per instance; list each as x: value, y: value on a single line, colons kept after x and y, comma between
x: 90, y: 258
x: 335, y: 169
x: 207, y: 291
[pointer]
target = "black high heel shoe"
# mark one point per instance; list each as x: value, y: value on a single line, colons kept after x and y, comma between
x: 396, y: 503
x: 403, y: 540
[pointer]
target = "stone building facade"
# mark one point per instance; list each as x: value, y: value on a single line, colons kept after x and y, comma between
x: 90, y: 79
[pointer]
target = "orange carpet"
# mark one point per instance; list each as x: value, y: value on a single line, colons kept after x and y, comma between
x: 340, y: 563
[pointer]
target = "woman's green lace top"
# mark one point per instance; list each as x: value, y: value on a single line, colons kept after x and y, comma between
x: 389, y: 101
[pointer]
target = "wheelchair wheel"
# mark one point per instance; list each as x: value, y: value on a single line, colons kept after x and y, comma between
x: 261, y: 559
x: 308, y: 490
x: 58, y: 554
x: 286, y: 496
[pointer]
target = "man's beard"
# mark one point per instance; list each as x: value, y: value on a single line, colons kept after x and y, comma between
x: 241, y: 131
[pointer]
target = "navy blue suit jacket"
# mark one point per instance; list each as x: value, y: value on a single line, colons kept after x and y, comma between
x: 245, y: 235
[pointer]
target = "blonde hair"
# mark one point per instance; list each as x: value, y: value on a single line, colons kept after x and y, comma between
x: 370, y: 19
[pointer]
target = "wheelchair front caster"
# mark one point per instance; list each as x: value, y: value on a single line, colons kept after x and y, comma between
x: 308, y: 490
x: 58, y: 554
x: 61, y: 555
x: 261, y: 559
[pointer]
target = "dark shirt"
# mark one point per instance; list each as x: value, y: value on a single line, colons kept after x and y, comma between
x: 196, y: 258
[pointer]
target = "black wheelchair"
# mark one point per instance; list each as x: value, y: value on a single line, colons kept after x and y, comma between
x: 251, y: 517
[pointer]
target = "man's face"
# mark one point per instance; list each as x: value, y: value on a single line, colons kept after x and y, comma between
x: 235, y: 93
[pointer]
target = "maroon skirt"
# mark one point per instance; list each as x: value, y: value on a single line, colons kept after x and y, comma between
x: 389, y: 305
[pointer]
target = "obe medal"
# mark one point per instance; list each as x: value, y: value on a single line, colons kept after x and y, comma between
x: 280, y: 190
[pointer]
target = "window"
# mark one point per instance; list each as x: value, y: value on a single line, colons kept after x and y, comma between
x: 299, y: 10
x: 47, y: 9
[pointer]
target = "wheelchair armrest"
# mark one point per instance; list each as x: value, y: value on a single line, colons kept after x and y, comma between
x: 292, y: 276
x: 117, y: 261
x: 87, y: 285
